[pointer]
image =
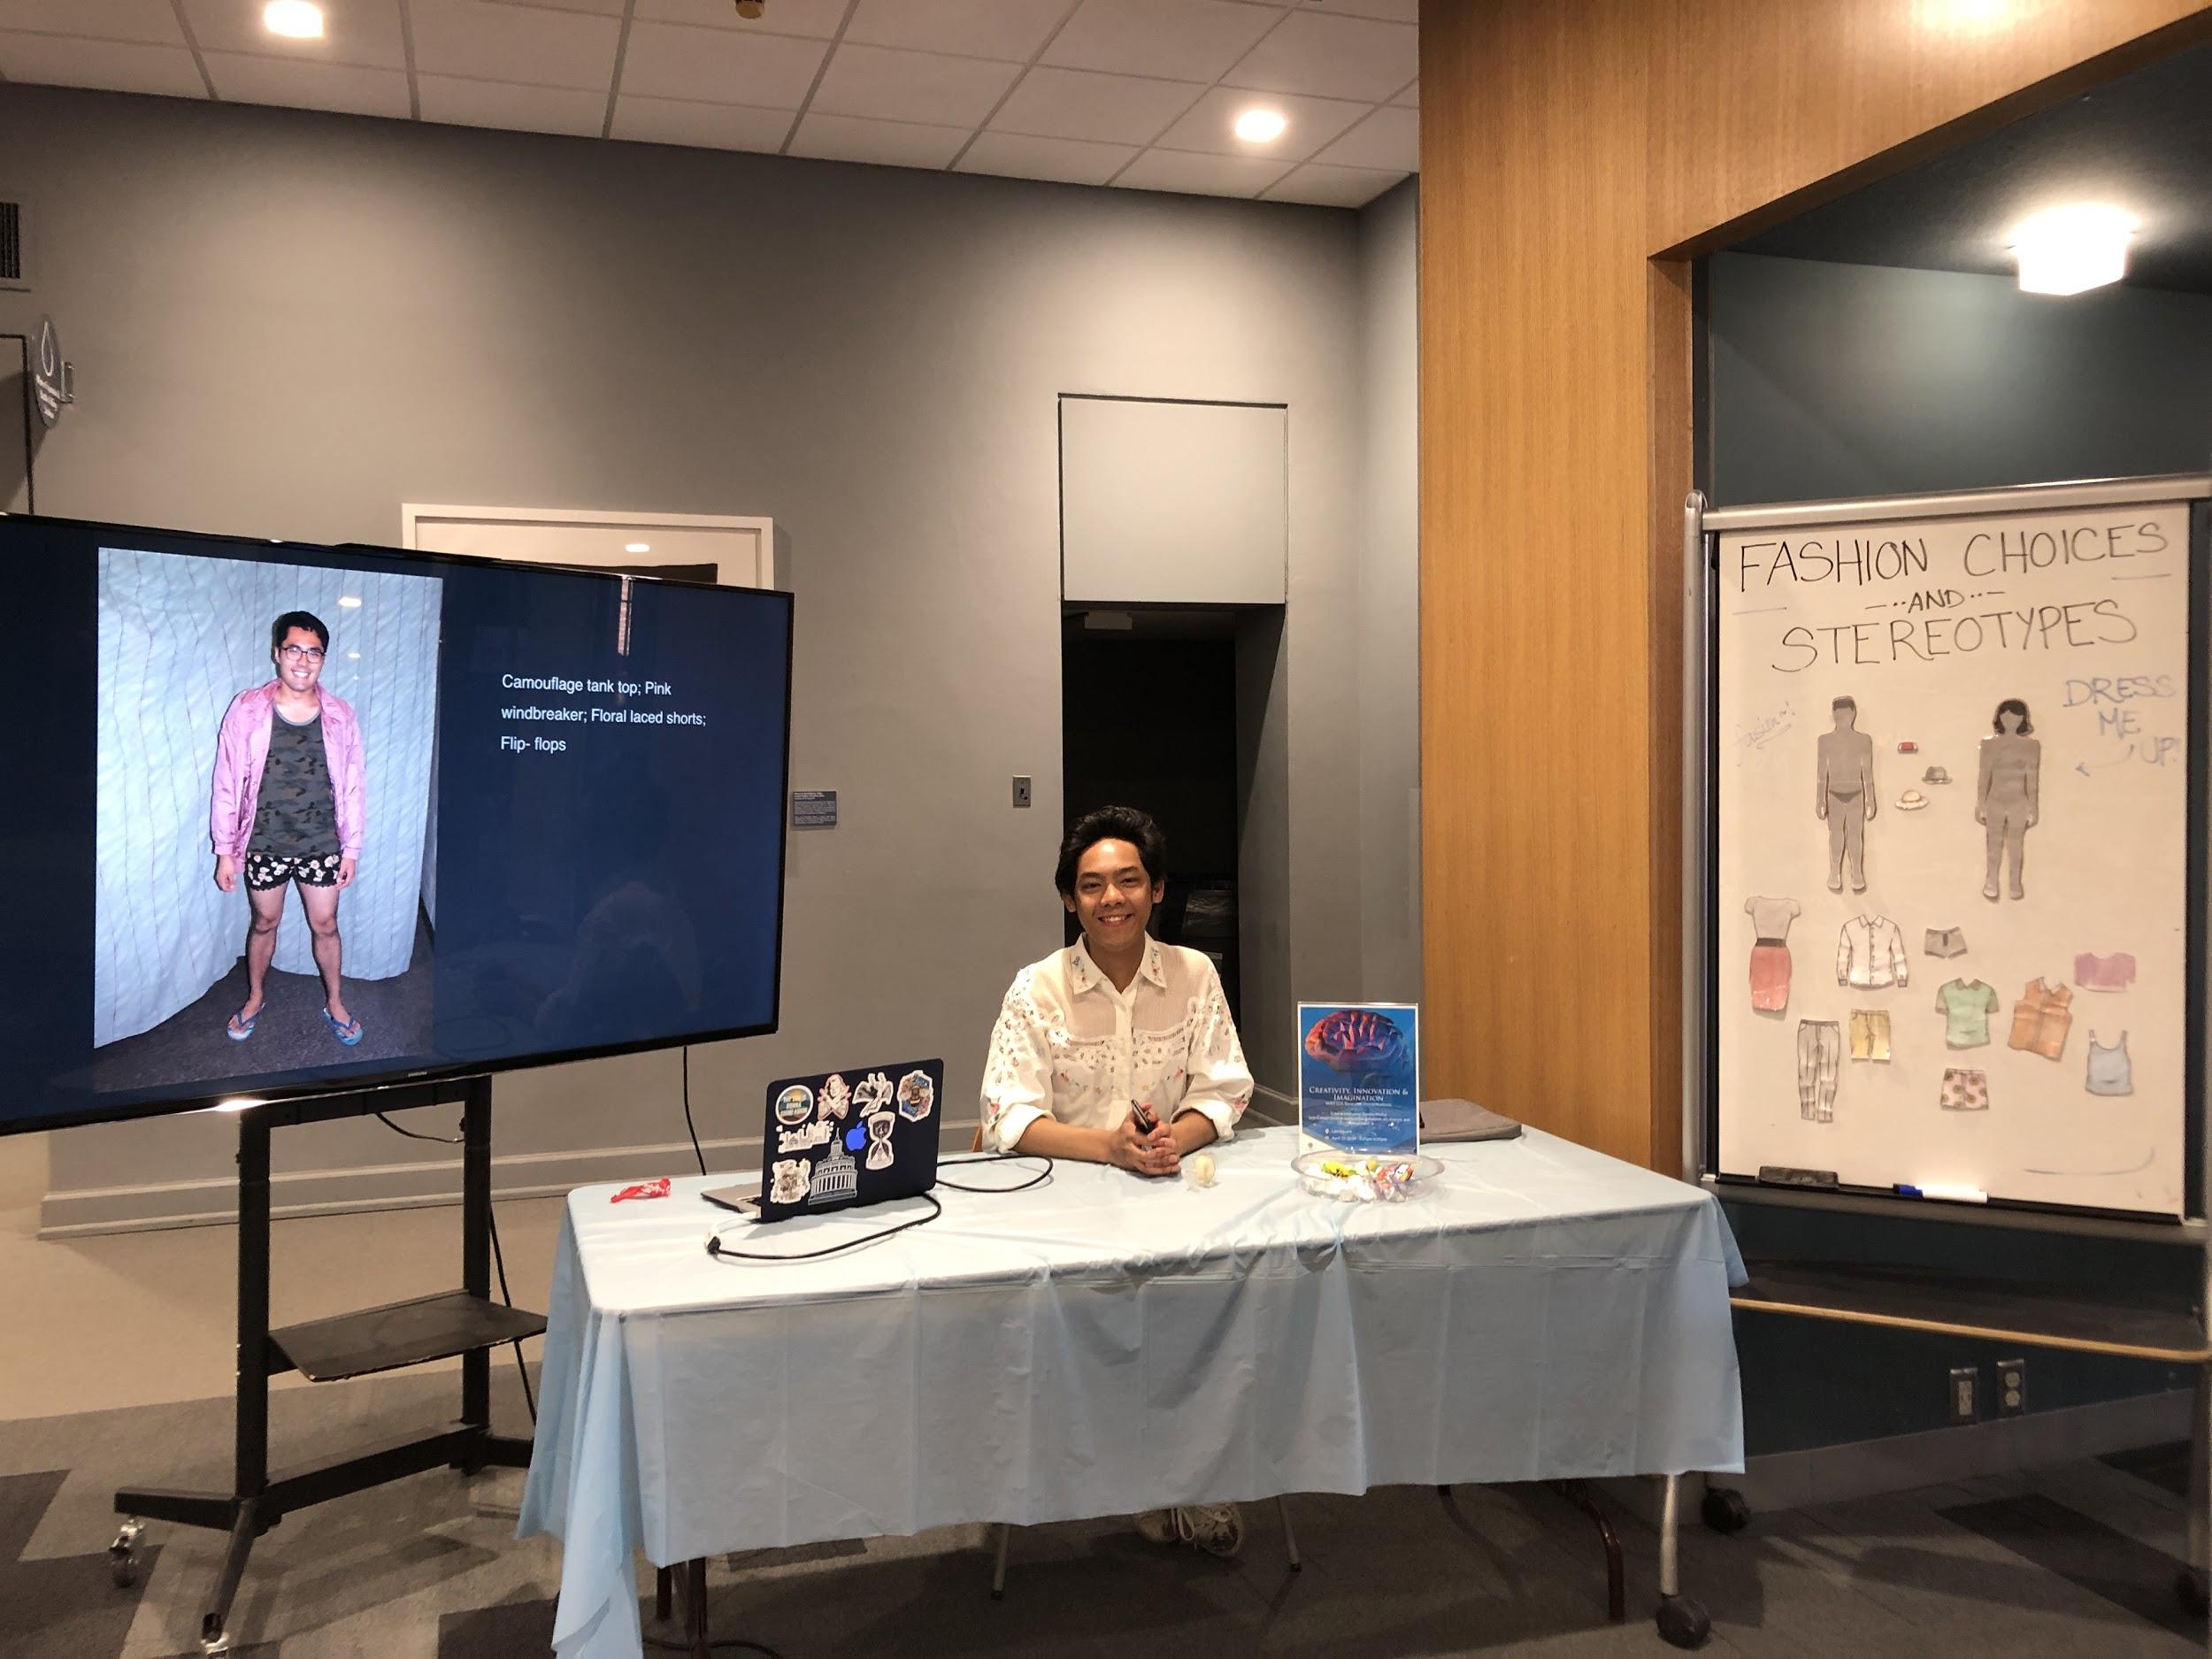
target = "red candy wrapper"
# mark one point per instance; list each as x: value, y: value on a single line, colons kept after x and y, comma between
x: 656, y: 1188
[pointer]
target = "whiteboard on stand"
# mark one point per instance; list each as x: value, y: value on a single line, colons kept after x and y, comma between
x: 1952, y: 768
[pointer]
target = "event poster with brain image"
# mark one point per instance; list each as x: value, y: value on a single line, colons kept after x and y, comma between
x: 1359, y: 1077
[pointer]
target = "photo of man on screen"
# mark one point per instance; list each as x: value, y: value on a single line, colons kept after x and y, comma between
x: 285, y: 808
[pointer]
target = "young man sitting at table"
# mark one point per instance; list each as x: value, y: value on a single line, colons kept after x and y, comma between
x: 1119, y: 1051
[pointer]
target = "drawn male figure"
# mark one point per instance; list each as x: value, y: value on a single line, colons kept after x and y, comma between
x: 286, y: 809
x: 1844, y: 786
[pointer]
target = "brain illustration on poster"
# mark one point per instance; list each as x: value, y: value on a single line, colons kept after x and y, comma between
x: 1951, y: 771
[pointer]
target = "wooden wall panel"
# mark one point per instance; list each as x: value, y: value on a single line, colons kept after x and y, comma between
x: 1564, y: 145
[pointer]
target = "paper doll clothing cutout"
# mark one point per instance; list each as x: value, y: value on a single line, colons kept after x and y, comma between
x: 2008, y: 796
x: 1964, y: 1090
x: 1770, y: 920
x: 1770, y: 977
x: 1911, y: 801
x: 1966, y: 1006
x: 2110, y: 1071
x: 2114, y: 973
x: 1870, y: 954
x: 1946, y: 941
x: 1869, y: 1033
x: 2041, y: 1019
x: 1843, y: 789
x: 1819, y: 1063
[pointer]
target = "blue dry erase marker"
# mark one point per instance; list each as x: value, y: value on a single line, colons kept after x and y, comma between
x: 1904, y: 1191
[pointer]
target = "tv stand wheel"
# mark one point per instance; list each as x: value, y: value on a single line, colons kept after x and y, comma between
x: 123, y: 1553
x: 1684, y: 1623
x: 1724, y: 1509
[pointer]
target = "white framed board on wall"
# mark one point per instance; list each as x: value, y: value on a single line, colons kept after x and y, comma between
x: 1954, y: 765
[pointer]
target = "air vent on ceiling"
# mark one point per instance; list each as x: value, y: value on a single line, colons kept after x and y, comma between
x: 11, y: 245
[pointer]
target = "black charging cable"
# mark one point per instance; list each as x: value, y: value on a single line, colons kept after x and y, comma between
x: 722, y: 1252
x: 491, y: 1214
x: 689, y: 1127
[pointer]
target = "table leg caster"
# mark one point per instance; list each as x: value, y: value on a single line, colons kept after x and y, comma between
x: 2189, y: 1589
x: 1724, y: 1509
x: 123, y: 1553
x: 1684, y: 1623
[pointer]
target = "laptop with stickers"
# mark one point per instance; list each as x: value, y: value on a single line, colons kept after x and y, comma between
x: 837, y: 1139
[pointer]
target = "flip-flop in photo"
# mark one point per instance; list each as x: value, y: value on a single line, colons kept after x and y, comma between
x: 239, y: 1029
x: 347, y: 1033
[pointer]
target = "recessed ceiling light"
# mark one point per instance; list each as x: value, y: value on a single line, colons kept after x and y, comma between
x: 349, y: 602
x: 295, y: 19
x: 637, y: 546
x: 2073, y: 249
x: 1260, y: 127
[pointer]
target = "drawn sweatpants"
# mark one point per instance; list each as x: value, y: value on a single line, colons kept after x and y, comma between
x: 1819, y: 1058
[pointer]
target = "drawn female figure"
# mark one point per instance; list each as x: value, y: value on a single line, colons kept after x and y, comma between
x: 2009, y: 790
x: 1843, y: 794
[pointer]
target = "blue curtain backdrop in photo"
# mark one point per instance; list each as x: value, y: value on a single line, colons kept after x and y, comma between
x: 178, y: 638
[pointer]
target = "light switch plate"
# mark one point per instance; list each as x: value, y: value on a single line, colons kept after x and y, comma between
x: 1021, y: 791
x: 1965, y: 1385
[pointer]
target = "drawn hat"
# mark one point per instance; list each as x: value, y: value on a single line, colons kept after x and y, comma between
x: 1911, y: 801
x: 1935, y: 774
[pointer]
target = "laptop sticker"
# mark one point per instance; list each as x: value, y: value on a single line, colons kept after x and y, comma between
x: 916, y: 1095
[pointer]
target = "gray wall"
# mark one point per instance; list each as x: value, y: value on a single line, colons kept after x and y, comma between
x: 1389, y: 598
x: 1853, y: 379
x: 1843, y: 380
x: 288, y: 323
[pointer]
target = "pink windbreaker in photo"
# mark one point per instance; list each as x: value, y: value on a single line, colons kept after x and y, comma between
x: 241, y: 751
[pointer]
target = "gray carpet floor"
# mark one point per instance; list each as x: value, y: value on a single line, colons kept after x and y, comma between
x: 2076, y: 1560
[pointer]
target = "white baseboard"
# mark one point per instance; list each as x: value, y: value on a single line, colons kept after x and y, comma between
x: 214, y: 1202
x: 1832, y: 1474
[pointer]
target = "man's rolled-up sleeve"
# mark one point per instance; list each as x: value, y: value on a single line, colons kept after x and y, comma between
x: 1018, y: 1071
x: 1220, y: 1082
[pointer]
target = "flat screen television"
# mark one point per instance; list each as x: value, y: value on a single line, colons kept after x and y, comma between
x: 452, y: 815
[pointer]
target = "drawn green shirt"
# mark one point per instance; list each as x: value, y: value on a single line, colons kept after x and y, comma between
x: 1966, y: 1006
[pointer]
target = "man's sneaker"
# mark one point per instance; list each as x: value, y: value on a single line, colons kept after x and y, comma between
x: 1216, y: 1528
x: 1156, y: 1526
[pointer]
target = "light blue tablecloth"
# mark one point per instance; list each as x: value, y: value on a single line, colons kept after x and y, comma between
x: 1105, y: 1344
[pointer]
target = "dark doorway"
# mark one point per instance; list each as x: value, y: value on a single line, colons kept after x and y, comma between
x: 15, y: 424
x: 1148, y: 720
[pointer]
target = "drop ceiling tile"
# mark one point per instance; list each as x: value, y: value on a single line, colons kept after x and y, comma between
x: 354, y: 32
x: 1194, y: 174
x: 888, y: 144
x: 50, y: 60
x: 151, y: 22
x: 770, y: 72
x: 1332, y: 186
x: 1332, y: 57
x: 1388, y: 10
x: 880, y: 84
x: 1066, y: 160
x: 1211, y: 124
x: 1184, y: 40
x: 816, y: 20
x: 462, y: 102
x: 1007, y: 29
x: 701, y: 125
x: 1104, y: 109
x: 472, y: 40
x: 1388, y: 140
x: 604, y: 8
x: 348, y: 88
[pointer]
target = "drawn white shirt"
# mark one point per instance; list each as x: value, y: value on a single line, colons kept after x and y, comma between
x: 1068, y: 1045
x: 1870, y: 954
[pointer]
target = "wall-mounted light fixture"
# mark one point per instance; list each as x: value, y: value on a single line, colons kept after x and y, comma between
x: 2073, y: 249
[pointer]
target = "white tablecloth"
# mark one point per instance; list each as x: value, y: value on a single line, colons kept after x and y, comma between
x: 1105, y: 1343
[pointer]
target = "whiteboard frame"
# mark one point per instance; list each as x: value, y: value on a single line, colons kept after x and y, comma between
x: 1701, y: 527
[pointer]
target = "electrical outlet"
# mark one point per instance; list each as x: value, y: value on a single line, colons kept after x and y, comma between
x: 1021, y: 791
x: 2012, y: 1388
x: 1965, y: 1385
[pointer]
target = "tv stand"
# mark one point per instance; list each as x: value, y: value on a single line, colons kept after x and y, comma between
x: 467, y: 1322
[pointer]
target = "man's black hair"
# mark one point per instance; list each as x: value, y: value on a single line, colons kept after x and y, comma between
x: 1115, y: 824
x: 292, y: 619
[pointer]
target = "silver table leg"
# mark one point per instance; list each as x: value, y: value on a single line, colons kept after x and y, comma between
x: 1290, y: 1538
x: 998, y: 1571
x: 1682, y: 1621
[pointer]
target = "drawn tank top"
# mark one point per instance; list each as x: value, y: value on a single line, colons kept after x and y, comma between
x: 2110, y: 1070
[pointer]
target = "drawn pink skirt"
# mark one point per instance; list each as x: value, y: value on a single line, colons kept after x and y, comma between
x: 1769, y: 976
